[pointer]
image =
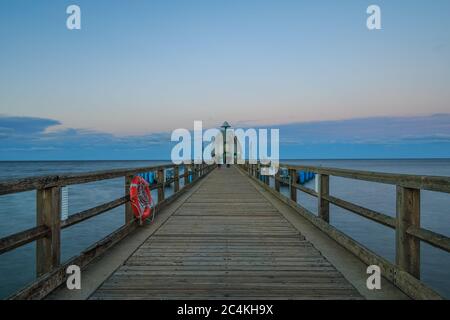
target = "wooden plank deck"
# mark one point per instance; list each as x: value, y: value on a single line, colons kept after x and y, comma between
x: 227, y: 241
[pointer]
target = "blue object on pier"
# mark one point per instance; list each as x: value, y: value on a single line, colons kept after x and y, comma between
x: 151, y: 178
x: 301, y: 177
x: 304, y: 177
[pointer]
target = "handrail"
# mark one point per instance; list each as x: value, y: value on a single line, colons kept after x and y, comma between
x: 405, y: 273
x: 22, y: 238
x: 49, y: 225
x: 424, y: 182
x: 48, y: 181
x: 92, y: 212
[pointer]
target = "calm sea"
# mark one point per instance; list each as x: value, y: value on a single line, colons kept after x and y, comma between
x: 17, y: 212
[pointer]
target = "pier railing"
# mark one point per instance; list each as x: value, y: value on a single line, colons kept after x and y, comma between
x: 405, y: 272
x: 47, y: 232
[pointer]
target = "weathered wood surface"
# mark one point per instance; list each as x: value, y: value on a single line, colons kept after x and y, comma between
x: 432, y: 183
x: 226, y: 242
x: 32, y: 183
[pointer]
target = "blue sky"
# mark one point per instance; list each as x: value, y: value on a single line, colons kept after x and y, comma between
x: 139, y: 69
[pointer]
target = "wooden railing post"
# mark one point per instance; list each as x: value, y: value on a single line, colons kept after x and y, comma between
x: 161, y: 185
x: 293, y: 179
x: 408, y: 215
x: 186, y: 174
x: 323, y: 208
x: 48, y: 210
x: 176, y: 177
x: 267, y: 179
x: 277, y: 181
x: 129, y: 216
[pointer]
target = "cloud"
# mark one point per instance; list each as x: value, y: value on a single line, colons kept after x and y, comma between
x: 24, y: 125
x: 375, y: 130
x: 29, y: 138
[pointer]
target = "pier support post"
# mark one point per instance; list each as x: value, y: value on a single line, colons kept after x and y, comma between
x: 161, y: 185
x: 48, y: 209
x: 323, y: 209
x: 266, y: 177
x: 176, y: 177
x: 293, y: 179
x: 277, y: 181
x: 187, y: 167
x: 129, y: 216
x: 408, y: 215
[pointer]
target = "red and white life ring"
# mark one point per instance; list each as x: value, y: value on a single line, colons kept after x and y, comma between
x: 141, y: 199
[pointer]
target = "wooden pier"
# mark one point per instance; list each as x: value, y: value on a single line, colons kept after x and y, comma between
x: 228, y: 233
x: 226, y: 241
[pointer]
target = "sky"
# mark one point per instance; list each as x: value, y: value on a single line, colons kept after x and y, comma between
x: 139, y: 69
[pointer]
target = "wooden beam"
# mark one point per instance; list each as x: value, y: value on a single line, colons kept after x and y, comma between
x: 363, y: 212
x: 293, y: 176
x: 176, y: 176
x: 92, y: 212
x: 432, y: 183
x: 186, y: 174
x: 129, y: 216
x: 21, y: 238
x: 48, y: 213
x: 408, y: 215
x: 305, y: 189
x: 51, y: 280
x: 323, y: 208
x: 44, y: 182
x: 435, y: 239
x: 161, y: 187
x: 277, y: 181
